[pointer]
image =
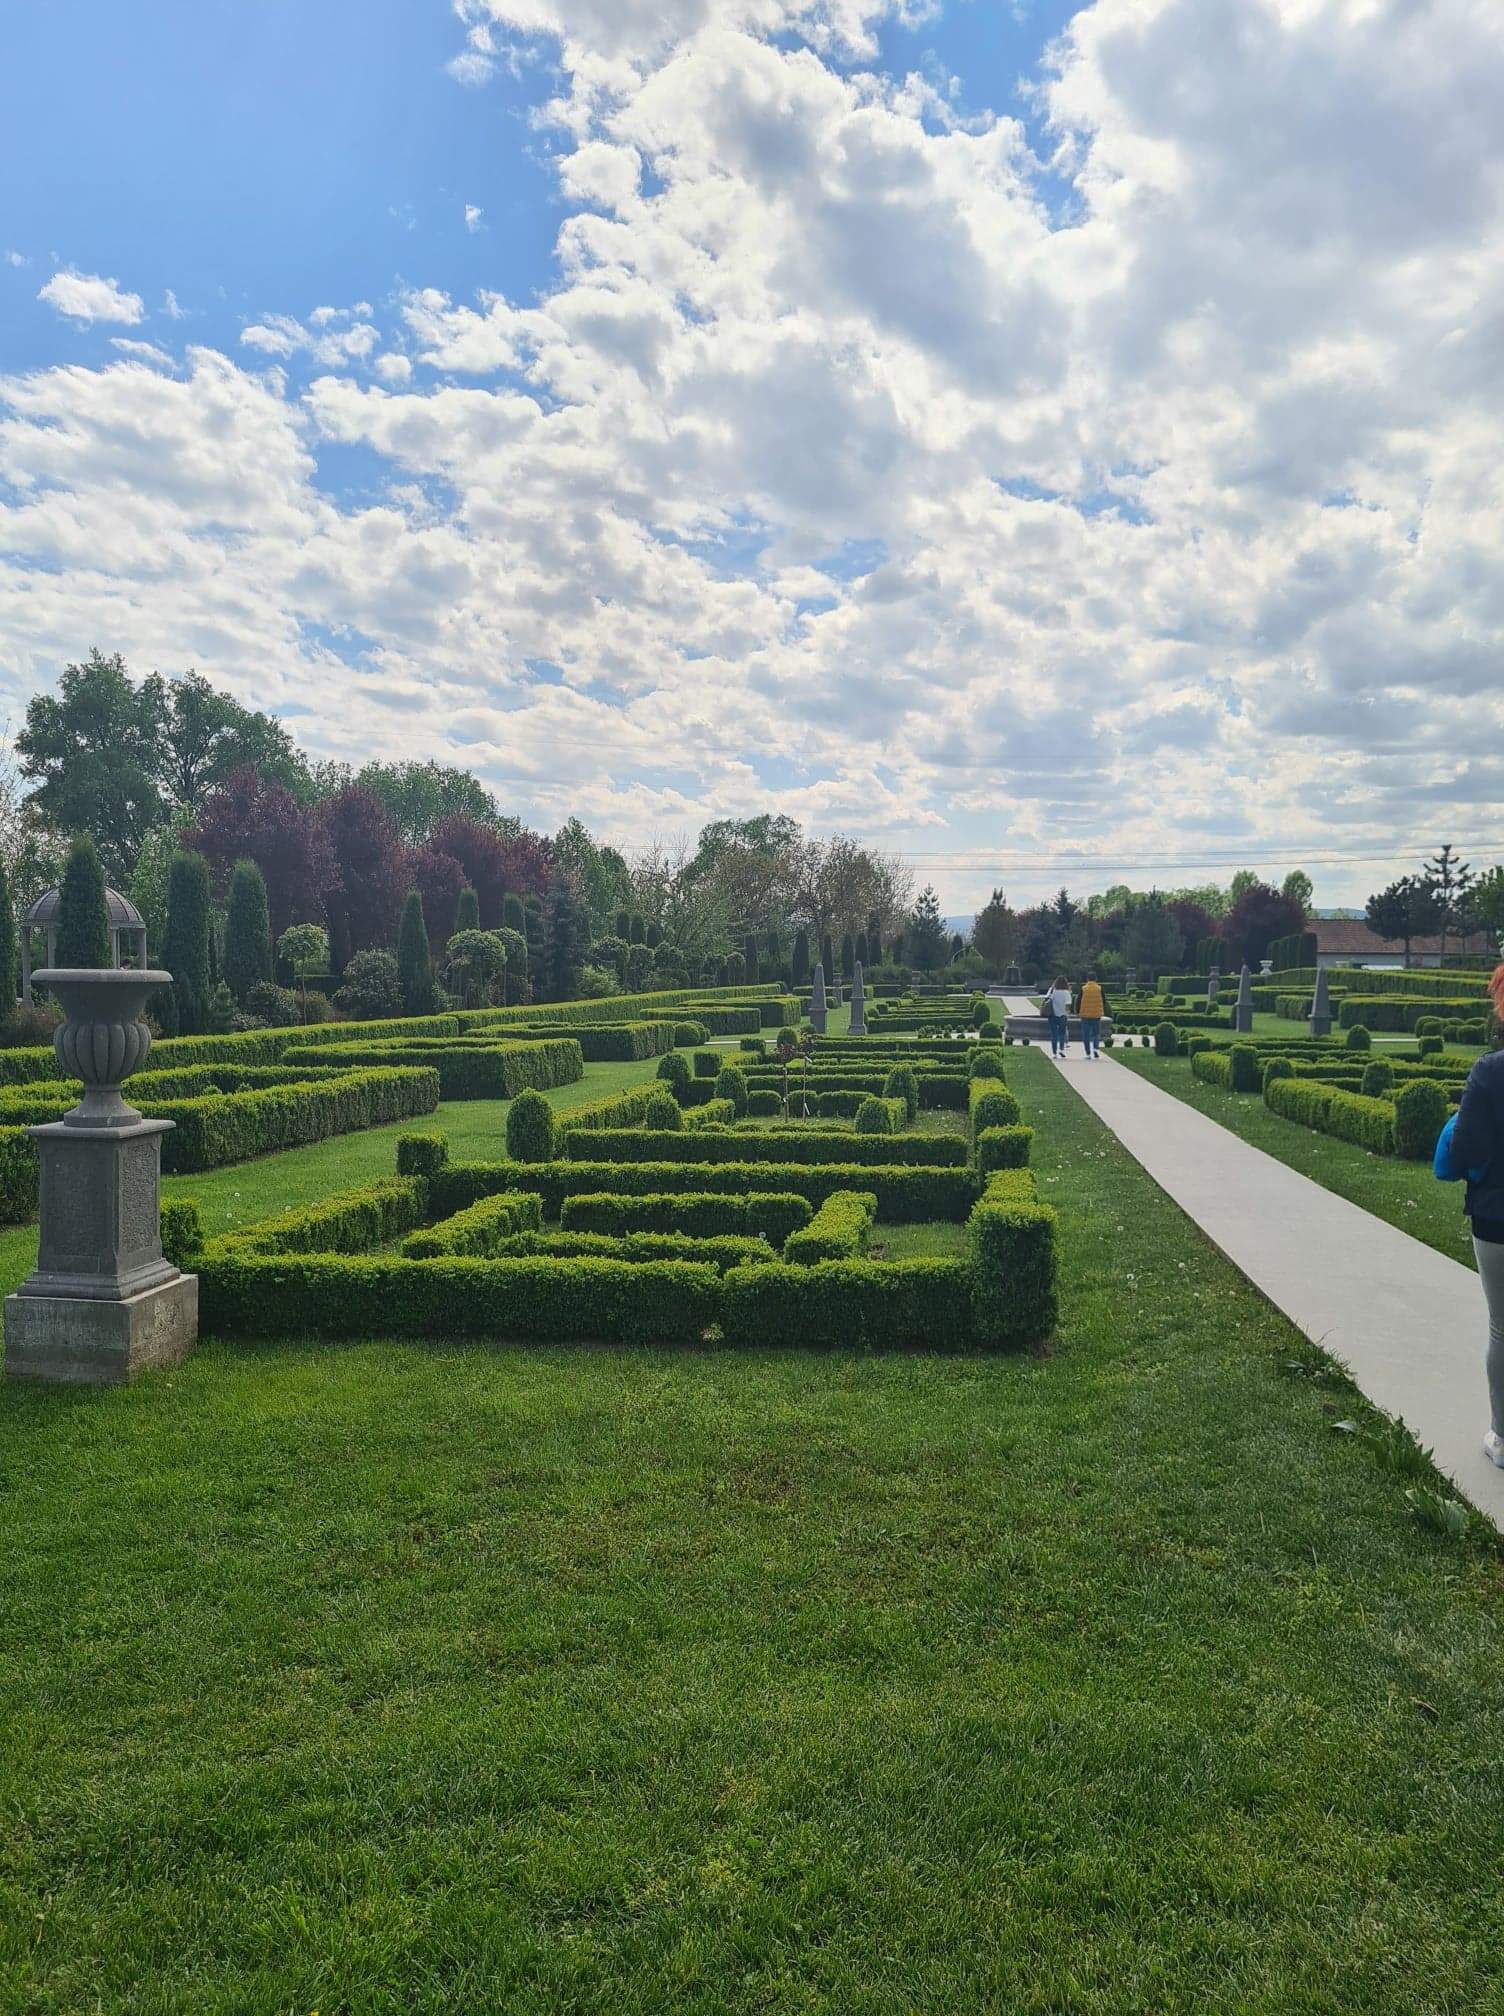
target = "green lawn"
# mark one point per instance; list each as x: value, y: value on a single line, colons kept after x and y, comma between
x: 1404, y: 1193
x: 387, y: 1679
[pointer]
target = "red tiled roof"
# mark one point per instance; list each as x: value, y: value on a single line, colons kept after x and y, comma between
x: 1351, y: 937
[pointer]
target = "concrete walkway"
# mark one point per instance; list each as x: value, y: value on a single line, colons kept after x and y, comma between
x: 1407, y: 1322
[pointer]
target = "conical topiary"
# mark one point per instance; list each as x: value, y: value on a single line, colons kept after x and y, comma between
x: 83, y: 920
x: 248, y: 931
x: 414, y: 965
x: 8, y: 959
x: 185, y: 942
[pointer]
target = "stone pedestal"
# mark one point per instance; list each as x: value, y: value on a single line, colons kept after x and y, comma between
x: 104, y: 1303
x: 858, y: 1026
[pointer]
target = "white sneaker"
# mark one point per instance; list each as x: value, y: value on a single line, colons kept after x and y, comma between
x: 1493, y: 1448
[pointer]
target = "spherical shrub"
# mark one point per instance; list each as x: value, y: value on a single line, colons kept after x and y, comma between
x: 1378, y: 1078
x: 991, y: 1034
x: 1358, y: 1038
x: 787, y: 1038
x: 690, y: 1035
x: 663, y: 1111
x: 674, y: 1071
x: 901, y: 1083
x: 1430, y: 1046
x: 530, y: 1128
x: 1428, y: 1025
x: 981, y: 1014
x: 984, y: 1064
x: 732, y: 1084
x: 1166, y: 1040
x: 874, y: 1116
x: 1278, y: 1067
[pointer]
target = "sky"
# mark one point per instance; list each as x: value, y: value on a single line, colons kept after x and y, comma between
x: 1056, y: 443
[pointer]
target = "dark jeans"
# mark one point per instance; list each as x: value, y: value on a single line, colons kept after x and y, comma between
x: 1091, y: 1033
x: 1059, y: 1034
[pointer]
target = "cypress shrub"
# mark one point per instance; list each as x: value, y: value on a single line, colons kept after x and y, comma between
x: 185, y: 942
x: 530, y: 1128
x: 1378, y: 1078
x: 1166, y: 1040
x: 1420, y: 1113
x: 981, y: 1014
x: 675, y: 1072
x: 664, y: 1112
x: 901, y: 1083
x: 1243, y: 1068
x: 83, y: 920
x: 848, y: 955
x: 8, y: 956
x: 800, y: 970
x: 828, y: 955
x: 414, y: 965
x: 248, y: 931
x: 731, y: 1083
x: 467, y: 911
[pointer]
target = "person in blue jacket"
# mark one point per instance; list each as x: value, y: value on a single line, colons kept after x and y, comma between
x: 1472, y: 1147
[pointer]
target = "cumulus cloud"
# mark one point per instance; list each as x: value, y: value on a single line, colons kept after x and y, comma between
x: 473, y: 216
x: 86, y: 297
x: 906, y: 491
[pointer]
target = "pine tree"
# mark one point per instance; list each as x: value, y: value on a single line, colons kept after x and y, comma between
x: 828, y: 958
x: 185, y: 941
x: 83, y: 920
x: 637, y: 930
x: 414, y: 964
x: 926, y: 934
x: 801, y: 958
x: 8, y: 952
x: 749, y: 955
x: 875, y: 938
x: 861, y: 950
x: 248, y: 932
x: 624, y: 926
x: 654, y: 936
x: 535, y: 930
x: 848, y: 955
x: 467, y: 911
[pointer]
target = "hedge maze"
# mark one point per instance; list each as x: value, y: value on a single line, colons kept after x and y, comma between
x: 755, y: 1217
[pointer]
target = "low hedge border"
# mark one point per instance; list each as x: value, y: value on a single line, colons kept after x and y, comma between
x: 349, y: 1221
x: 478, y: 1231
x: 724, y: 1251
x: 839, y: 1230
x: 944, y: 1151
x: 766, y: 1214
x: 471, y: 1071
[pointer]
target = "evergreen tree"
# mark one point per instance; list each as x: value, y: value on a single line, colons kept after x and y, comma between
x: 637, y: 930
x: 535, y: 930
x: 801, y: 958
x: 514, y: 914
x: 925, y: 937
x: 83, y: 919
x: 8, y: 958
x: 414, y: 963
x: 875, y: 938
x: 248, y: 931
x: 848, y: 955
x: 828, y: 958
x: 624, y: 926
x: 185, y: 941
x: 749, y: 955
x: 861, y: 950
x: 653, y: 936
x: 564, y: 949
x: 467, y: 912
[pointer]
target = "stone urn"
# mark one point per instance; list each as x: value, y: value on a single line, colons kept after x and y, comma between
x: 104, y: 1303
x: 103, y: 1038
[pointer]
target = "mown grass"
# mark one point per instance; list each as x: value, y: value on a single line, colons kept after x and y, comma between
x: 1405, y: 1194
x: 386, y: 1679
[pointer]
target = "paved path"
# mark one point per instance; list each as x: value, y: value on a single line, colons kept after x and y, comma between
x: 1406, y: 1321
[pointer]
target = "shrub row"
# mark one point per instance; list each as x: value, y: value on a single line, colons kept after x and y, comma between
x: 211, y: 1131
x: 349, y: 1221
x: 1389, y: 1011
x: 991, y: 1105
x: 839, y: 1230
x: 727, y: 1250
x: 470, y: 1071
x: 766, y: 1214
x: 479, y: 1230
x: 787, y: 1145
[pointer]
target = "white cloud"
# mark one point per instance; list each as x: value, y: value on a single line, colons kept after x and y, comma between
x: 473, y: 216
x: 835, y: 472
x: 16, y: 259
x: 171, y: 308
x: 85, y: 297
x: 148, y: 353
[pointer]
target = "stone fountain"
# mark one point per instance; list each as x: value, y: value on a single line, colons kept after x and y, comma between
x: 103, y: 1304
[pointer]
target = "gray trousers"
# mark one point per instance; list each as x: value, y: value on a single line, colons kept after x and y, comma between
x: 1490, y: 1259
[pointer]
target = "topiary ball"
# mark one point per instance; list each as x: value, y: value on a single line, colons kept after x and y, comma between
x: 1358, y: 1038
x: 732, y: 1084
x: 530, y: 1128
x: 874, y: 1116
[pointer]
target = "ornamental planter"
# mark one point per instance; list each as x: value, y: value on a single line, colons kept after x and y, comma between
x: 103, y: 1304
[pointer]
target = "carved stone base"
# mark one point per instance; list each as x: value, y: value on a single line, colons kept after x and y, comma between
x: 80, y: 1341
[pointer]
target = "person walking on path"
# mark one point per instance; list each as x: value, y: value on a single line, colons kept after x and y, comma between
x: 1472, y: 1147
x: 1057, y: 1006
x: 1091, y: 1008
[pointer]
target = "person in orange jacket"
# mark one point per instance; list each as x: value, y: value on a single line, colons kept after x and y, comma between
x: 1091, y: 1007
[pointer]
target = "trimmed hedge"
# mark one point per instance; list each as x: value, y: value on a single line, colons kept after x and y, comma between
x: 1004, y: 1148
x: 728, y: 1250
x: 864, y: 1305
x: 479, y: 1230
x: 620, y: 1109
x: 771, y: 1215
x: 539, y: 1301
x: 349, y: 1221
x: 1369, y: 1123
x: 471, y: 1071
x: 905, y: 1196
x: 839, y: 1230
x: 1012, y: 1261
x: 210, y: 1132
x: 638, y: 1144
x: 1420, y: 1112
x: 1389, y: 1011
x: 991, y: 1105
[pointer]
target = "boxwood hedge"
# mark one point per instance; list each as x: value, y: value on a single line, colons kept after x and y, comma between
x: 770, y: 1215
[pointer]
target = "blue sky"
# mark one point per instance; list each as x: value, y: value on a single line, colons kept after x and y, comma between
x: 1062, y: 468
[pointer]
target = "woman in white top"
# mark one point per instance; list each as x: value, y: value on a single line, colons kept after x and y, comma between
x: 1057, y: 1006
